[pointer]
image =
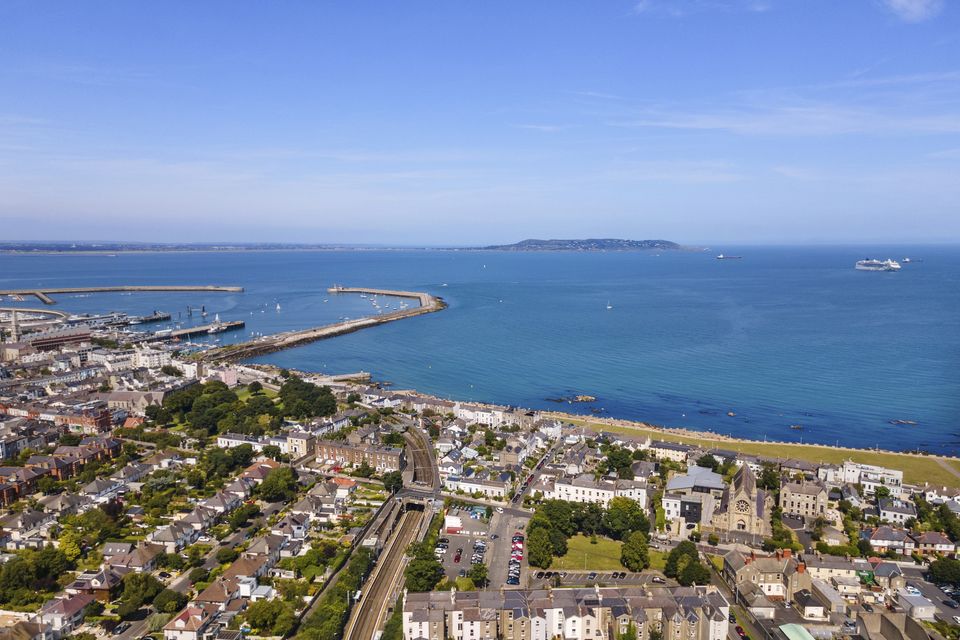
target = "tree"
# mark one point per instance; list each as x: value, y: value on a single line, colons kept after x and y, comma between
x: 138, y: 589
x: 424, y: 571
x: 227, y: 555
x: 559, y: 542
x: 170, y: 370
x: 540, y: 548
x: 769, y: 477
x: 279, y: 485
x: 634, y: 554
x: 679, y: 557
x: 945, y: 571
x: 623, y: 516
x: 198, y: 574
x: 272, y: 451
x: 364, y: 470
x: 708, y: 461
x: 255, y: 387
x: 393, y: 481
x: 169, y: 601
x: 881, y: 492
x: 630, y: 633
x: 694, y: 573
x: 478, y: 575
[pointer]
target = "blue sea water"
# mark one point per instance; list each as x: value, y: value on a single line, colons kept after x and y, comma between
x: 785, y: 336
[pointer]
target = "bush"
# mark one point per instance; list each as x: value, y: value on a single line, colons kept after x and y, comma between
x: 227, y: 555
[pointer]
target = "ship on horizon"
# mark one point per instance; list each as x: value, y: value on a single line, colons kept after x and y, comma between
x: 723, y: 257
x: 872, y: 264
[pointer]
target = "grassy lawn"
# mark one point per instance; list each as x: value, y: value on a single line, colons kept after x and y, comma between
x: 244, y: 393
x: 658, y: 559
x: 916, y: 469
x: 583, y: 556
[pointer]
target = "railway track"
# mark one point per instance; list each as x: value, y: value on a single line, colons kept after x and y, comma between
x: 379, y: 591
x: 421, y: 455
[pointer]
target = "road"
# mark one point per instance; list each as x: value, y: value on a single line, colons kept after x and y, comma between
x: 378, y: 593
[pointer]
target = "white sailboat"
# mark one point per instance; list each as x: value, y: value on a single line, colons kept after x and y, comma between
x: 278, y: 306
x: 609, y: 306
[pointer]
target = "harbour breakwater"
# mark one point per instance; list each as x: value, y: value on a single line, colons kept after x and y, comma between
x: 43, y: 293
x: 288, y: 339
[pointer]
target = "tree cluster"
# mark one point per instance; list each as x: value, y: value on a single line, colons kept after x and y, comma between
x: 554, y: 521
x: 683, y: 564
x: 271, y: 617
x: 330, y: 616
x: 26, y: 578
x: 424, y: 571
x: 304, y: 400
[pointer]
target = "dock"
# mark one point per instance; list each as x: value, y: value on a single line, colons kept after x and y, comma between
x: 289, y: 339
x: 217, y: 327
x: 43, y: 294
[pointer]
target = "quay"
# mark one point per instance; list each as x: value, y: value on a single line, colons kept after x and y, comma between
x: 214, y: 327
x: 288, y: 339
x: 43, y: 293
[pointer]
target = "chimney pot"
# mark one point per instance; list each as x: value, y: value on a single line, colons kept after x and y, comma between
x: 801, y: 567
x: 788, y: 553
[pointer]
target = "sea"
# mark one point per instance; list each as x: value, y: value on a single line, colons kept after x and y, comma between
x: 786, y: 344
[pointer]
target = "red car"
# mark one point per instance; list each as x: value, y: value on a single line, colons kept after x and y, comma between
x: 740, y: 631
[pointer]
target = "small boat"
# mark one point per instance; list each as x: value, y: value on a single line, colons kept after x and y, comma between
x: 904, y: 422
x: 444, y: 284
x: 723, y: 257
x: 609, y: 306
x: 797, y: 427
x: 731, y: 414
x: 325, y: 300
x: 278, y: 306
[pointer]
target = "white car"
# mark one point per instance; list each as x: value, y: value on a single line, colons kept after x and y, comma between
x: 499, y: 509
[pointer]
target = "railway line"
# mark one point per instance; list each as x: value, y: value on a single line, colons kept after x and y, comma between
x: 421, y: 457
x: 379, y: 592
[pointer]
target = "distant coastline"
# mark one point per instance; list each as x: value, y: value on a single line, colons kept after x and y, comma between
x: 532, y: 245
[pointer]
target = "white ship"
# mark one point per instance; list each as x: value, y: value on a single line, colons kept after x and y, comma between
x: 872, y: 264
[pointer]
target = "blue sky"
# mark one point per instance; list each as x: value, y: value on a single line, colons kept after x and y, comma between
x: 701, y: 121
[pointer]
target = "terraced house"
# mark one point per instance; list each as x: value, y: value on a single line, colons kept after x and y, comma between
x: 690, y: 613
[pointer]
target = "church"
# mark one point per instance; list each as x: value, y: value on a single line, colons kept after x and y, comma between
x: 744, y: 507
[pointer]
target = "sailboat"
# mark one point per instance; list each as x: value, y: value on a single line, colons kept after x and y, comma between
x: 609, y: 306
x: 278, y: 306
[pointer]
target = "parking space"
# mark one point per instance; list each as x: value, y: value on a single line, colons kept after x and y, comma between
x: 503, y: 527
x: 462, y: 552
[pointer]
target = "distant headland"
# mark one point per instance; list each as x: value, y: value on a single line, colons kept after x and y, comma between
x: 590, y: 244
x: 115, y: 247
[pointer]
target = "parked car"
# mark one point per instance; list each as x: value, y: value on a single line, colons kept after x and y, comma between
x: 740, y: 631
x: 539, y: 575
x: 950, y: 603
x: 592, y: 576
x: 732, y: 619
x: 658, y: 580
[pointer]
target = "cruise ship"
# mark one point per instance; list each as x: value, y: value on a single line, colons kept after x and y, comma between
x: 872, y: 264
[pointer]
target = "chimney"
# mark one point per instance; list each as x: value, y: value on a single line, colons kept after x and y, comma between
x: 779, y: 554
x: 788, y: 553
x: 801, y: 567
x: 453, y: 596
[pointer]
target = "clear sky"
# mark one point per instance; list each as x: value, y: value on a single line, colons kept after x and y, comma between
x: 416, y: 122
